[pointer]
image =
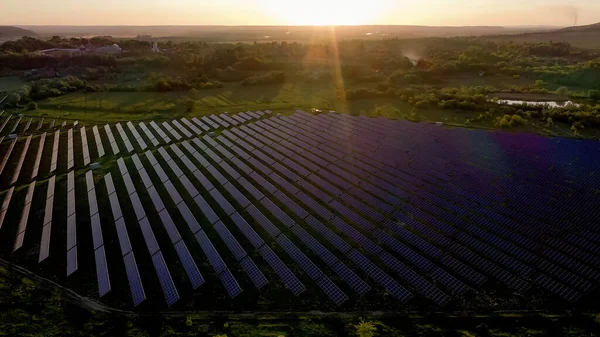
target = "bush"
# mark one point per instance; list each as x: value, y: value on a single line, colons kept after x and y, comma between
x: 594, y: 94
x: 563, y: 91
x: 365, y: 328
x: 510, y: 120
x: 274, y: 77
x: 32, y: 106
x: 13, y: 99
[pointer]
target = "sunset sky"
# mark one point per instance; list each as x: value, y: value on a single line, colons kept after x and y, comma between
x: 299, y: 12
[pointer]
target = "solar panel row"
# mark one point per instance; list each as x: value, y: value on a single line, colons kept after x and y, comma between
x: 136, y: 136
x: 182, y: 129
x: 47, y: 223
x: 149, y: 134
x: 125, y: 138
x: 98, y: 139
x: 111, y: 140
x: 171, y: 131
x: 160, y: 132
x: 84, y: 146
x: 5, y: 204
x: 71, y: 225
x: 192, y: 127
x: 17, y: 170
x: 200, y: 124
x: 7, y: 155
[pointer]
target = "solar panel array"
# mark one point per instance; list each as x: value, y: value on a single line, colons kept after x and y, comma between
x: 47, y: 223
x: 329, y: 199
x: 7, y: 155
x: 84, y: 146
x: 17, y: 170
x: 164, y: 276
x: 133, y: 276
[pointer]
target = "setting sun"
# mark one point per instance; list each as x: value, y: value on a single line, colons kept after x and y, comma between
x: 332, y: 12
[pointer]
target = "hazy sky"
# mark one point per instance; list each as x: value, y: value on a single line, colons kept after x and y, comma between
x: 298, y: 12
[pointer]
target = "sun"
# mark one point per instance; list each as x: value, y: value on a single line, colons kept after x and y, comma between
x: 326, y: 12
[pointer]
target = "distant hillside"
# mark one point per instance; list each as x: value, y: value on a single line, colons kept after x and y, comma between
x: 585, y: 37
x: 587, y: 28
x: 9, y: 31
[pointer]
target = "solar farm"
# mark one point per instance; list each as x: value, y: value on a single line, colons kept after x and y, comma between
x: 328, y: 211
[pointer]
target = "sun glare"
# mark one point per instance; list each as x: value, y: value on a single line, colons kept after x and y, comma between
x: 326, y: 12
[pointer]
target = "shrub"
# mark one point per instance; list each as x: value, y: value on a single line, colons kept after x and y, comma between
x: 594, y: 94
x: 563, y: 91
x: 273, y: 77
x: 32, y: 106
x: 13, y: 99
x: 365, y: 328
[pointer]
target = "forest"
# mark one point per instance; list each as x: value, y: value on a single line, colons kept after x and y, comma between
x: 457, y: 80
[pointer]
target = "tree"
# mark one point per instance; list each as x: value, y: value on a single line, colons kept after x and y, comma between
x: 365, y: 328
x: 13, y: 99
x: 540, y: 83
x: 594, y: 94
x: 563, y: 91
x: 32, y: 106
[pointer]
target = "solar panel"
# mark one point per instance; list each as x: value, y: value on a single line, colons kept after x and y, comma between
x: 55, y: 144
x: 315, y: 246
x: 38, y: 156
x: 102, y: 272
x: 189, y: 265
x: 312, y: 189
x: 288, y: 278
x: 248, y: 187
x: 330, y: 236
x: 182, y: 129
x: 149, y: 238
x: 230, y: 241
x: 380, y: 277
x: 230, y: 170
x: 352, y: 216
x: 206, y: 209
x: 302, y: 260
x: 200, y: 124
x: 164, y: 277
x: 124, y: 137
x: 211, y: 253
x: 262, y: 221
x: 191, y: 126
x: 160, y: 132
x: 321, y: 211
x: 334, y: 293
x: 237, y: 195
x: 223, y: 203
x: 71, y: 231
x: 209, y: 122
x: 284, y: 184
x: 351, y: 278
x: 230, y: 283
x: 96, y: 231
x: 247, y: 230
x: 6, y: 203
x: 45, y: 242
x: 277, y: 212
x: 71, y: 261
x: 254, y: 273
x: 169, y: 226
x: 291, y: 205
x: 17, y: 169
x: 124, y: 242
x: 172, y: 131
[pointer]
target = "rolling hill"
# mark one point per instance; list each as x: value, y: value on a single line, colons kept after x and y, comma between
x: 9, y: 31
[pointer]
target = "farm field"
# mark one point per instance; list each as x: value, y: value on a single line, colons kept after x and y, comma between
x: 302, y: 211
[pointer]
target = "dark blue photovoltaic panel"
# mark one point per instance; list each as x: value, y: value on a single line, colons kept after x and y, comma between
x: 249, y: 188
x: 315, y: 246
x: 237, y: 195
x: 380, y: 277
x: 318, y: 181
x: 290, y: 204
x: 72, y: 261
x: 230, y: 170
x: 285, y: 172
x: 169, y: 226
x: 164, y: 277
x: 199, y: 144
x: 189, y: 265
x: 137, y: 206
x: 254, y: 273
x: 355, y: 235
x: 260, y: 155
x: 149, y: 237
x: 262, y: 221
x: 220, y: 199
x: 284, y: 184
x: 135, y: 283
x: 330, y: 236
x: 206, y: 209
x: 145, y: 178
x: 361, y: 207
x: 228, y: 134
x: 203, y: 181
x: 188, y: 217
x: 451, y: 283
x: 314, y: 206
x: 248, y: 231
x: 200, y: 124
x: 217, y: 175
x: 355, y: 282
x: 224, y: 152
x: 96, y: 231
x: 245, y: 145
x: 260, y: 181
x: 102, y: 272
x: 398, y: 247
x: 210, y: 141
x: 224, y: 140
x: 189, y: 187
x: 230, y: 284
x: 175, y: 196
x: 335, y: 293
x: 277, y: 212
x: 156, y: 199
x: 241, y: 165
x: 288, y: 278
x: 302, y: 260
x: 260, y: 166
x: 239, y: 153
x: 230, y: 241
x: 317, y: 193
x: 123, y: 236
x: 352, y: 216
